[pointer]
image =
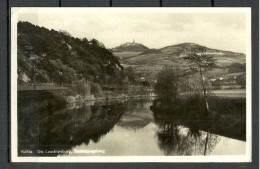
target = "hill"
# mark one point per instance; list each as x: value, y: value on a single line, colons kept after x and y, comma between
x: 56, y: 57
x: 151, y: 61
x: 129, y: 49
x: 178, y: 52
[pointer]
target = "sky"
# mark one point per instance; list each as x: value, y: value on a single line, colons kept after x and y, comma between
x: 224, y: 31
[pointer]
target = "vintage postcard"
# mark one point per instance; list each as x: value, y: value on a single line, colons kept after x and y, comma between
x: 131, y: 85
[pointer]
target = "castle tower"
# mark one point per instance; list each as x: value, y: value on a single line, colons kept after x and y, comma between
x: 133, y: 41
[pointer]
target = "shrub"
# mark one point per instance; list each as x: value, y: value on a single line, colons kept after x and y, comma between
x: 167, y: 84
x: 95, y: 89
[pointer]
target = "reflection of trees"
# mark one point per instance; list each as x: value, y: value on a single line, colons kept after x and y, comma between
x: 183, y: 129
x: 64, y: 128
x: 226, y: 119
x: 227, y: 116
x: 212, y: 142
x: 169, y: 138
x: 175, y: 139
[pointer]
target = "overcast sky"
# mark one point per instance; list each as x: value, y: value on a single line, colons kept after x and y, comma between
x: 225, y: 31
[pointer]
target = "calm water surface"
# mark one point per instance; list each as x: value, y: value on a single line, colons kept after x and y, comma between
x: 117, y: 129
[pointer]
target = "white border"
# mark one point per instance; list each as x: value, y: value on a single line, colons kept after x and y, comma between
x: 221, y: 158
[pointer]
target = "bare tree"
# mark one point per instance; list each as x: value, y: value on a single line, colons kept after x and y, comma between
x: 200, y: 62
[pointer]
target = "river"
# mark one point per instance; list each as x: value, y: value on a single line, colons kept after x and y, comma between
x: 123, y: 128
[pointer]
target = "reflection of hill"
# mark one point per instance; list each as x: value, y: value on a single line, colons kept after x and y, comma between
x: 137, y: 115
x: 65, y: 128
x: 133, y: 122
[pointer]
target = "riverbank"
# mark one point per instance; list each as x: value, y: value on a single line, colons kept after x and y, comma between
x: 78, y: 98
x: 232, y: 93
x: 229, y: 93
x: 67, y: 97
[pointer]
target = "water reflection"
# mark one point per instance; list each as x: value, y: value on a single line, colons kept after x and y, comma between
x: 186, y: 129
x: 178, y: 140
x: 126, y: 127
x: 65, y: 128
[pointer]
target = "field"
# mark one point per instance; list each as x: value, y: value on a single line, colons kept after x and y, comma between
x: 230, y: 93
x: 122, y: 55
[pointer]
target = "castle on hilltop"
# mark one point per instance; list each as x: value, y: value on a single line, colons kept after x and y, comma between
x: 129, y: 43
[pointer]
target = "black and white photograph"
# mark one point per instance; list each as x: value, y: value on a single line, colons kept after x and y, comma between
x: 131, y: 84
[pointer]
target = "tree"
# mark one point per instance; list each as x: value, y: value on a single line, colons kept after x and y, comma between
x: 200, y: 62
x: 85, y: 40
x: 94, y: 42
x: 241, y: 80
x: 64, y: 32
x: 130, y: 73
x: 167, y: 84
